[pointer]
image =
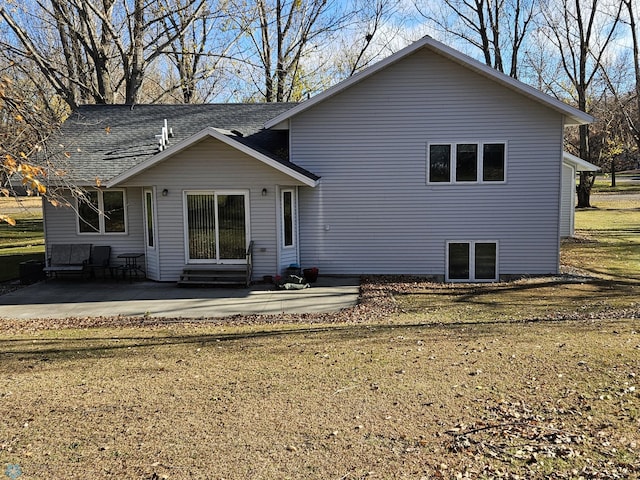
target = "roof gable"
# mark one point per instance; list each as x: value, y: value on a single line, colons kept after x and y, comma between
x: 229, y: 138
x: 578, y: 163
x: 573, y: 116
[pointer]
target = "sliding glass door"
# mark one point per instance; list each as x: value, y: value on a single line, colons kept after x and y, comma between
x: 216, y: 226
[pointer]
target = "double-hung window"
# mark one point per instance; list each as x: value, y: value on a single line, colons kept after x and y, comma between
x: 104, y: 211
x: 466, y: 162
x: 472, y: 261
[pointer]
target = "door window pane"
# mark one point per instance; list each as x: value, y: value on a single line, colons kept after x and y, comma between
x: 466, y: 162
x: 231, y: 218
x: 148, y: 201
x: 287, y: 217
x: 201, y: 225
x: 439, y: 163
x: 485, y: 260
x: 493, y: 162
x: 88, y: 216
x: 458, y: 261
x: 113, y: 211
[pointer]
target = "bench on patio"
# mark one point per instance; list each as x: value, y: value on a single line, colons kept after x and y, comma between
x: 68, y: 258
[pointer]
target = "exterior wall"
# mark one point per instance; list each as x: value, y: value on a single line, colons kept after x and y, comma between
x: 212, y: 165
x: 61, y: 226
x: 568, y: 200
x: 374, y: 212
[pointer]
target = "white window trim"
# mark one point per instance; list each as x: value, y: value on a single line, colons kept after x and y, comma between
x: 185, y: 216
x: 294, y: 216
x: 153, y: 218
x: 479, y: 163
x: 101, y: 225
x: 472, y: 262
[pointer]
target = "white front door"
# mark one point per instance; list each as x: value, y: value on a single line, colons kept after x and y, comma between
x: 216, y: 226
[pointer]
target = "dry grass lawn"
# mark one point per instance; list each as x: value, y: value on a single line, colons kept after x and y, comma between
x: 359, y: 401
x: 538, y: 378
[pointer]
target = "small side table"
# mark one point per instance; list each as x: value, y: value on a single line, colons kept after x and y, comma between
x: 131, y: 264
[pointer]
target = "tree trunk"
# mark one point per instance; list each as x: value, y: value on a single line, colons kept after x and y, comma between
x: 584, y: 189
x: 135, y: 74
x: 613, y: 172
x: 586, y: 178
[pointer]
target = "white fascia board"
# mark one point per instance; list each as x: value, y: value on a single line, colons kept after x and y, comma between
x: 573, y: 116
x: 580, y: 164
x: 218, y: 135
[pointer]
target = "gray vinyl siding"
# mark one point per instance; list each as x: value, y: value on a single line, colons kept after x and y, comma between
x: 374, y: 212
x: 62, y: 227
x: 568, y: 200
x: 212, y: 165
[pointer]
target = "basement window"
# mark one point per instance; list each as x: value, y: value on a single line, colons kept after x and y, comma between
x: 472, y: 261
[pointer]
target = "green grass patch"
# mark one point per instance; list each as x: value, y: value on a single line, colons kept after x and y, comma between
x: 607, y: 238
x: 25, y: 240
x: 624, y: 184
x: 24, y: 233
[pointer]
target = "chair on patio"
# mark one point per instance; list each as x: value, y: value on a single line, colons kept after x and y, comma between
x: 100, y: 260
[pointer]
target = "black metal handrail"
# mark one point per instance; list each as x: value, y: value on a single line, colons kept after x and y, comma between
x: 249, y: 262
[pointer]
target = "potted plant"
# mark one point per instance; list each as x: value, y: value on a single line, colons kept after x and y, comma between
x: 310, y: 274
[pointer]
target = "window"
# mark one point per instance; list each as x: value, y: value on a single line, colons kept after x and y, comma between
x: 439, y: 163
x: 466, y: 162
x: 472, y: 261
x: 88, y: 216
x: 148, y: 210
x: 493, y: 162
x: 288, y: 219
x: 103, y: 212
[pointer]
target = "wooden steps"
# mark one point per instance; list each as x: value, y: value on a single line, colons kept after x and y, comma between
x: 215, y: 275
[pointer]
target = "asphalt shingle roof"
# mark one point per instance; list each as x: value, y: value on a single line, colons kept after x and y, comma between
x: 104, y: 141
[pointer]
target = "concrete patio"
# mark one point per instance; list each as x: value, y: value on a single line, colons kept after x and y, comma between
x: 75, y: 298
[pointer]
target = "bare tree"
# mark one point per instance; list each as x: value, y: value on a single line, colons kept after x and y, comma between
x: 627, y: 100
x: 95, y: 52
x: 629, y: 4
x: 369, y: 36
x: 581, y: 33
x: 498, y: 28
x: 280, y: 34
x: 371, y: 40
x: 199, y: 51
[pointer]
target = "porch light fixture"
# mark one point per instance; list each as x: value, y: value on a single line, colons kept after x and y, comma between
x: 165, y: 192
x: 264, y: 192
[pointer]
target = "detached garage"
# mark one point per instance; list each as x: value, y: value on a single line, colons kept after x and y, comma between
x: 571, y: 165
